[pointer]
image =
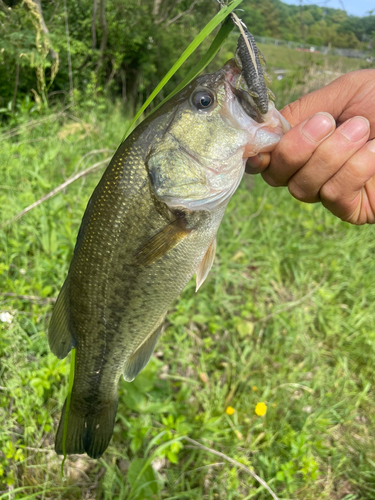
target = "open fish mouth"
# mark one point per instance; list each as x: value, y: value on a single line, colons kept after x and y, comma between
x: 265, y: 130
x: 238, y: 87
x: 247, y: 103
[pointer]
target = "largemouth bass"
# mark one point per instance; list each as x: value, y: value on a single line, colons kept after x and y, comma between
x: 149, y: 226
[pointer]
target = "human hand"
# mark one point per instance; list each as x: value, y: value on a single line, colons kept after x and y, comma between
x: 327, y: 155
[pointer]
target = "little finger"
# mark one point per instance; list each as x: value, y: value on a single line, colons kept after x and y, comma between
x: 350, y: 194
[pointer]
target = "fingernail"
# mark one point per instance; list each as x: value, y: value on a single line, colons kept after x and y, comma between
x: 318, y: 127
x: 254, y: 161
x: 371, y: 146
x: 355, y: 128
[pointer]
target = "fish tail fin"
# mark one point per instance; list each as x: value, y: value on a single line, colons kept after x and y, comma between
x: 99, y: 430
x: 87, y: 433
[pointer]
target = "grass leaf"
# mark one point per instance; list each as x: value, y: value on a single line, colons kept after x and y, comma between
x: 215, y: 21
x: 69, y: 397
x: 205, y: 60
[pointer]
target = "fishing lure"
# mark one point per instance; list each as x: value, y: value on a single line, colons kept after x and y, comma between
x: 252, y: 70
x: 248, y: 59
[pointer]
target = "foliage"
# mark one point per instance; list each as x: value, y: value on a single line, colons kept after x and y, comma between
x: 285, y: 319
x: 123, y: 49
x: 318, y: 25
x: 222, y: 17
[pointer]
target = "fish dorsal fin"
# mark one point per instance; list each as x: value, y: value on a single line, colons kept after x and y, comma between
x: 162, y: 242
x: 60, y: 340
x: 139, y: 359
x: 206, y: 264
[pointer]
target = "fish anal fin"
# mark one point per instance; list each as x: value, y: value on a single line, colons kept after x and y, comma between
x: 206, y: 264
x: 87, y: 433
x: 139, y: 359
x: 162, y: 242
x: 60, y: 340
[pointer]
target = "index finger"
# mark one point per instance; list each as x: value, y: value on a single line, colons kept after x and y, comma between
x: 296, y: 148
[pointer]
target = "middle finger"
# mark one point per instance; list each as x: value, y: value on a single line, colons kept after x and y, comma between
x: 328, y: 158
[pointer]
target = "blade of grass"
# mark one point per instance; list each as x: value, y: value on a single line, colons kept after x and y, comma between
x: 149, y: 460
x: 215, y: 21
x: 205, y: 60
x: 69, y: 397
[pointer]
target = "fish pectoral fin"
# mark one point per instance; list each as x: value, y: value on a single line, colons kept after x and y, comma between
x: 206, y: 264
x: 60, y: 340
x: 139, y: 359
x: 162, y: 242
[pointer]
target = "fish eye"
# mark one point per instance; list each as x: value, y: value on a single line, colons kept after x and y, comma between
x: 203, y: 99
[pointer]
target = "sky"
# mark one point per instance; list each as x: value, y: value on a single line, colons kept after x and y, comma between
x: 355, y: 7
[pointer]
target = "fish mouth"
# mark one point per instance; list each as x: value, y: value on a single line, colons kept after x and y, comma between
x: 233, y: 77
x: 264, y: 130
x: 248, y: 104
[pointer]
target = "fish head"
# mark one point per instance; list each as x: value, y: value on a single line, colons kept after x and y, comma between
x: 199, y: 160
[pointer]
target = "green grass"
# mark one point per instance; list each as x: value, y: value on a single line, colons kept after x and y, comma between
x: 302, y: 72
x: 286, y: 317
x: 285, y: 58
x: 281, y: 57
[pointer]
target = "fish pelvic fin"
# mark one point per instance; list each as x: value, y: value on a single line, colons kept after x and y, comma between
x: 60, y: 340
x: 139, y: 359
x: 205, y: 266
x: 162, y: 242
x: 89, y: 434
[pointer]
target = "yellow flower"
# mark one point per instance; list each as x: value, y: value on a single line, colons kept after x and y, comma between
x: 261, y: 409
x: 255, y: 388
x: 230, y: 410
